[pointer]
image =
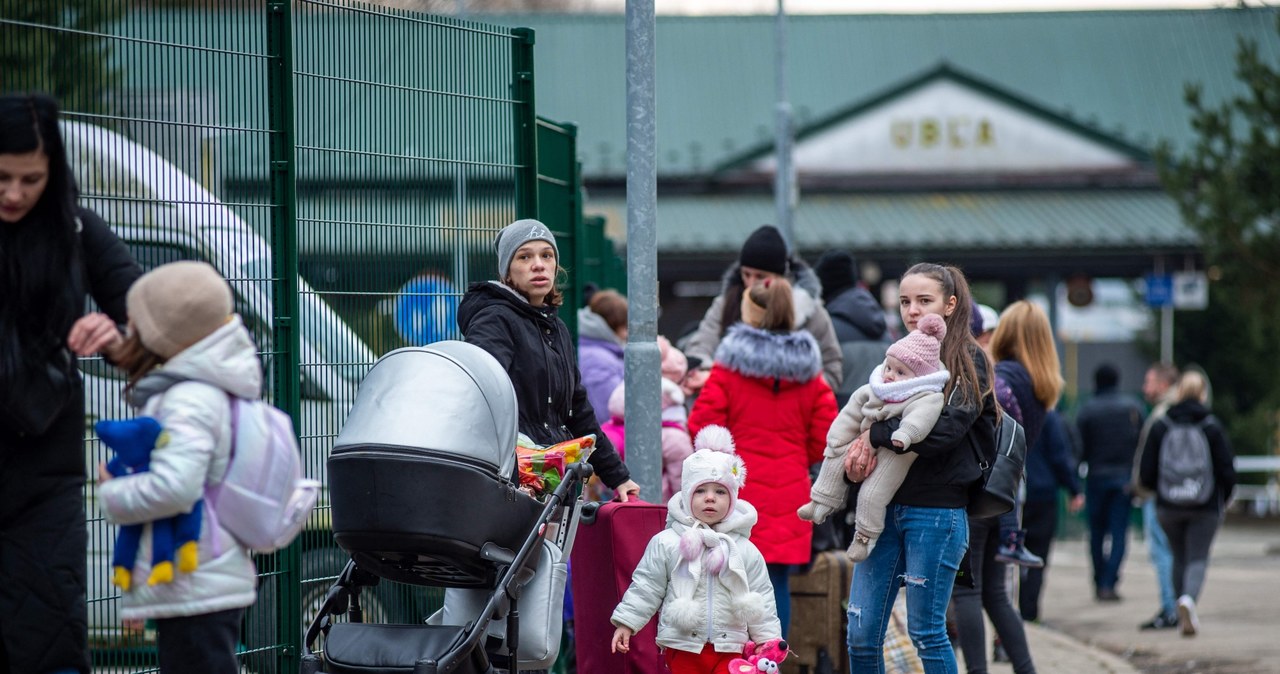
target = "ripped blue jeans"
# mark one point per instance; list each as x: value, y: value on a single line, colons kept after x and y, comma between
x: 921, y: 548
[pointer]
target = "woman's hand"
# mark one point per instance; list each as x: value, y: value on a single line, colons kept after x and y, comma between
x: 860, y: 460
x: 103, y: 473
x: 94, y: 333
x: 627, y: 491
x: 1076, y: 504
x: 621, y: 640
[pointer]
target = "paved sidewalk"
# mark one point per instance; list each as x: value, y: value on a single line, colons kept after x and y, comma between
x: 1239, y: 612
x: 1057, y: 653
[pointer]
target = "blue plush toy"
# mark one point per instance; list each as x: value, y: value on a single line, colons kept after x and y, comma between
x: 133, y: 440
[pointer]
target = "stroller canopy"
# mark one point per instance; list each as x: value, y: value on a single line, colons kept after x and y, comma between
x: 449, y: 396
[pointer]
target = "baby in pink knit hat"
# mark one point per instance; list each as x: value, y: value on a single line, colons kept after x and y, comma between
x: 907, y: 385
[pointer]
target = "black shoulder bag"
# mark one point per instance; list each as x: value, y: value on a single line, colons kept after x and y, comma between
x: 1001, y: 478
x: 38, y: 394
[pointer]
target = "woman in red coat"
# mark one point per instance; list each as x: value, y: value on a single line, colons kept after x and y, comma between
x: 766, y: 386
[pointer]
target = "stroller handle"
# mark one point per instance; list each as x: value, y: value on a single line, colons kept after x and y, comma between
x: 575, y: 475
x: 581, y: 469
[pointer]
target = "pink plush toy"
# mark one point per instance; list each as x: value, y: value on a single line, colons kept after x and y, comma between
x: 765, y: 657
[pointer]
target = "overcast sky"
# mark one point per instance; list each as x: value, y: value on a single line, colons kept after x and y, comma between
x: 905, y: 6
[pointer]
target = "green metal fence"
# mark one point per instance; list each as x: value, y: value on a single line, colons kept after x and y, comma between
x: 345, y: 166
x: 588, y: 255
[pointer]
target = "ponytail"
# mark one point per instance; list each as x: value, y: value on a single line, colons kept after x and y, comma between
x: 774, y: 296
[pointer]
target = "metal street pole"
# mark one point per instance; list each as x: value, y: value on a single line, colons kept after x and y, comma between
x: 1166, y: 322
x: 643, y: 362
x: 783, y: 189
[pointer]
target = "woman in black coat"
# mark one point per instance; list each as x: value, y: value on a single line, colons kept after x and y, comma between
x: 52, y: 253
x: 515, y: 320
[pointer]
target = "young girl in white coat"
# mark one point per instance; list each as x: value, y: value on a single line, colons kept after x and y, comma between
x: 701, y: 575
x: 180, y: 317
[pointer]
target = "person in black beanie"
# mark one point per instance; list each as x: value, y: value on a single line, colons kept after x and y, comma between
x: 857, y: 317
x: 763, y: 256
x: 854, y: 312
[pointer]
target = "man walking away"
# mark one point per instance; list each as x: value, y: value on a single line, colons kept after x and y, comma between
x: 1109, y: 425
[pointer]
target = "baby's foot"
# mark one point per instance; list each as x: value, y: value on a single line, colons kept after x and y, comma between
x: 814, y: 512
x: 861, y: 547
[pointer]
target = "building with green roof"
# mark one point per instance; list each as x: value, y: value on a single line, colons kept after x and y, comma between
x: 1016, y: 145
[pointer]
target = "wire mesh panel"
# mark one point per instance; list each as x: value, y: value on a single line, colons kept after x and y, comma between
x: 343, y: 165
x: 588, y: 256
x: 560, y: 206
x: 413, y: 147
x: 148, y: 99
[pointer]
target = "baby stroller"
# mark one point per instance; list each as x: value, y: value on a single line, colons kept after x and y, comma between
x: 423, y: 488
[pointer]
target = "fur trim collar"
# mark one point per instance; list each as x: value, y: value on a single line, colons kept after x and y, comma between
x: 898, y: 391
x: 759, y: 353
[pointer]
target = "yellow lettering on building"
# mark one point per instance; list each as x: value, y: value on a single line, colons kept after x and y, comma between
x: 928, y: 132
x: 986, y: 133
x: 961, y: 132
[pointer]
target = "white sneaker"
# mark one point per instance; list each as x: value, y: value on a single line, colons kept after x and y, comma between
x: 1188, y: 623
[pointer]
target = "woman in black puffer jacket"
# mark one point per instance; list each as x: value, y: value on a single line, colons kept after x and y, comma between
x: 515, y: 320
x: 52, y: 253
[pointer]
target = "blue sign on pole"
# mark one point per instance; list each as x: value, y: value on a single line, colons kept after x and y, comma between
x: 1159, y: 290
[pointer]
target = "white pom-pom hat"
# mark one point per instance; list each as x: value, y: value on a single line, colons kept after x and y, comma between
x: 713, y: 460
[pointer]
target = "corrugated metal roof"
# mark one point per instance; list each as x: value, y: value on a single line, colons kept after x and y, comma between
x: 1006, y: 223
x: 1122, y: 72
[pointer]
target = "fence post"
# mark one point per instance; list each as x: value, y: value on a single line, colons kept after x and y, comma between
x: 581, y: 245
x: 284, y: 292
x: 526, y: 120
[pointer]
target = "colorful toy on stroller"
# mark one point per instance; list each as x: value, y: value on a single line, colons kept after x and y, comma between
x: 424, y: 490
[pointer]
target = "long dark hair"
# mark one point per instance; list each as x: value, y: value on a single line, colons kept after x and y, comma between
x: 959, y: 346
x: 40, y: 279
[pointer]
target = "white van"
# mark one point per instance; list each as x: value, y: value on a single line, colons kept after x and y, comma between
x: 163, y: 215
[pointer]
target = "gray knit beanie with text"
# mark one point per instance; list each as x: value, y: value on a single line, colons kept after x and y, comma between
x: 518, y: 234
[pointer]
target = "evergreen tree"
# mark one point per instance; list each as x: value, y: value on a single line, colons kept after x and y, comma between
x: 58, y: 47
x: 1227, y: 186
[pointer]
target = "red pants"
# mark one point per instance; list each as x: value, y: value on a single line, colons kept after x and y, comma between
x: 706, y: 662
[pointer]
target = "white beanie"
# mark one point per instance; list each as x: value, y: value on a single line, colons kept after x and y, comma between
x: 713, y: 460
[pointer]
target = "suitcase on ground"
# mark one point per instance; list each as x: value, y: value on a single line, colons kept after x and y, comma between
x: 818, y: 617
x: 607, y: 549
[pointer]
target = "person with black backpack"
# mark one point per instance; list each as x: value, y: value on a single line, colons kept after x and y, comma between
x: 1187, y: 461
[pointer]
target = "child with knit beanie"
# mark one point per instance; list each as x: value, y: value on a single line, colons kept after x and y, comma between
x: 701, y: 575
x: 907, y: 385
x: 185, y: 353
